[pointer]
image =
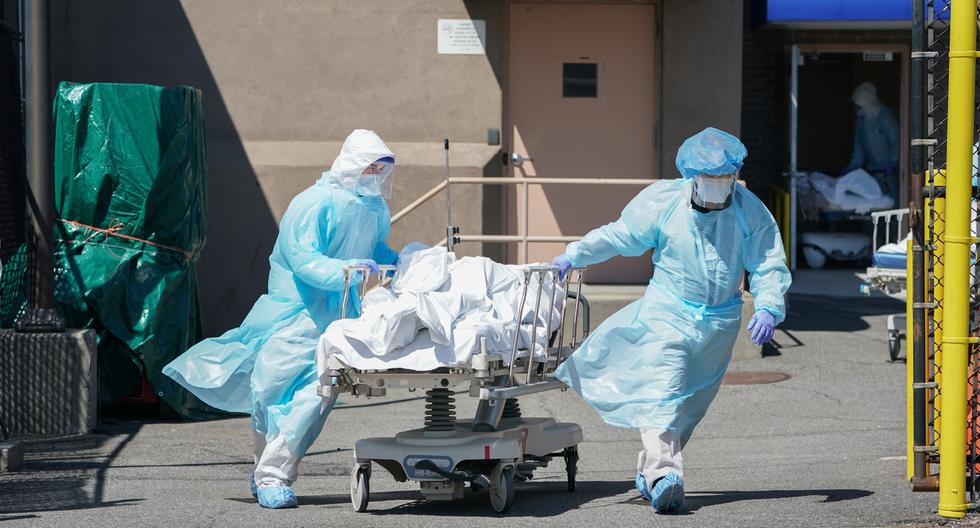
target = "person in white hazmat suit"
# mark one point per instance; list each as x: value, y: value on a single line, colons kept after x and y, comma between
x: 656, y: 365
x: 877, y: 145
x: 266, y: 367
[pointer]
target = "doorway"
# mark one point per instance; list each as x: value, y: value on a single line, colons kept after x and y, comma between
x: 580, y: 104
x: 822, y: 141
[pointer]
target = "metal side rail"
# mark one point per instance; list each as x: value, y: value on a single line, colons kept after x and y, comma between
x: 504, y: 393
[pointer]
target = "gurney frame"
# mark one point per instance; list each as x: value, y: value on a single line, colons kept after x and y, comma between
x: 498, y: 446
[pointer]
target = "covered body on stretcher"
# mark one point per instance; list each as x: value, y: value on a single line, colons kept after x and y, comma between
x: 441, y: 324
x: 444, y: 316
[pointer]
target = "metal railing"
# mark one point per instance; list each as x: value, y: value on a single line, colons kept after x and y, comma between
x: 883, y: 223
x: 523, y: 237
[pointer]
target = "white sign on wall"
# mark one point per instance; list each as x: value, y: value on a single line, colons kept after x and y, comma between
x: 461, y: 37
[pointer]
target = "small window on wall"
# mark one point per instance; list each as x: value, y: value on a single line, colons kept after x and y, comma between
x: 581, y: 79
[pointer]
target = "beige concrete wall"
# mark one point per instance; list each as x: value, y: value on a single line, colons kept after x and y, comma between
x: 702, y: 71
x: 284, y: 83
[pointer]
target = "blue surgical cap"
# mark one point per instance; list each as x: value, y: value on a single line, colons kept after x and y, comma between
x: 712, y: 152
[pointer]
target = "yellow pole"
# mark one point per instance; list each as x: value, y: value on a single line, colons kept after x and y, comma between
x: 962, y: 69
x: 787, y: 220
x: 938, y: 231
x: 934, y: 211
x: 909, y: 364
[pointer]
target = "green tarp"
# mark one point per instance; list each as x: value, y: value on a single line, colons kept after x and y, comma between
x: 130, y: 194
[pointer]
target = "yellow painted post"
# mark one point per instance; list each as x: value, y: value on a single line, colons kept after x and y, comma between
x: 938, y: 210
x: 787, y: 223
x: 956, y: 331
x: 909, y: 407
x: 934, y: 211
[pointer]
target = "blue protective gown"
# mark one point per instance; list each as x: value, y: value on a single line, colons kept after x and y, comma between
x: 658, y: 362
x: 267, y: 366
x: 876, y: 141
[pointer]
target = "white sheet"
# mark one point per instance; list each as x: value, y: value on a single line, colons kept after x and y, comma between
x: 855, y: 191
x: 435, y: 314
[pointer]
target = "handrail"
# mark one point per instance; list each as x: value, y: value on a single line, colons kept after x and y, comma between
x: 512, y: 181
x: 524, y: 238
x: 421, y: 200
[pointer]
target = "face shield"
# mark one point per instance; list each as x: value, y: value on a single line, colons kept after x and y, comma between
x: 375, y: 180
x: 713, y: 192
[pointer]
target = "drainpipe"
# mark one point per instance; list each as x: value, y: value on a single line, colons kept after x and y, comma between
x: 916, y: 360
x: 956, y: 340
x: 41, y: 316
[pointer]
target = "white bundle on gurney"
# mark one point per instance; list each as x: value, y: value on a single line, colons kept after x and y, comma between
x: 436, y: 313
x: 855, y: 191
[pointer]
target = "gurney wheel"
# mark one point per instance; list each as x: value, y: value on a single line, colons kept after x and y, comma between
x: 894, y: 345
x: 502, y: 488
x: 571, y: 466
x: 360, y: 488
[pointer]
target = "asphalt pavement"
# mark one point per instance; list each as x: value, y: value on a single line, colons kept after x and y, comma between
x: 824, y: 447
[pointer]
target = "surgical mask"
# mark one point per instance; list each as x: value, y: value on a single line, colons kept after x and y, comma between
x: 713, y: 192
x: 376, y: 180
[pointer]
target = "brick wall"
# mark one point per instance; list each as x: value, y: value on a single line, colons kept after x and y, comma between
x: 765, y: 91
x: 11, y: 147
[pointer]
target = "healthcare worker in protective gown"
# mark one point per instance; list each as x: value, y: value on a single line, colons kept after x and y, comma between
x: 656, y: 364
x: 266, y: 367
x: 876, y: 143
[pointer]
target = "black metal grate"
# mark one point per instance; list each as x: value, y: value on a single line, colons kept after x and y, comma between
x: 56, y: 400
x: 937, y: 75
x: 11, y: 146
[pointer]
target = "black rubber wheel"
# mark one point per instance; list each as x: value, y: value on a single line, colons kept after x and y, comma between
x: 571, y: 466
x: 502, y: 489
x: 894, y: 346
x: 360, y: 487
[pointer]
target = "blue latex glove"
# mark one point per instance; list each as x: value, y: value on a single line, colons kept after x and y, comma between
x: 371, y: 265
x: 563, y: 264
x: 762, y: 326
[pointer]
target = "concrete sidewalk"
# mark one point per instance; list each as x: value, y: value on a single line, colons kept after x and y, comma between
x: 823, y: 448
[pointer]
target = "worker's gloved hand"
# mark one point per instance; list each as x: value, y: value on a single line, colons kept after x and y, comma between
x: 563, y: 263
x: 762, y: 326
x: 371, y: 265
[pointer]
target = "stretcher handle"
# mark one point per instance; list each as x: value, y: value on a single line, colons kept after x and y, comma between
x: 365, y: 272
x: 544, y: 272
x: 534, y: 326
x: 586, y: 315
x: 579, y: 272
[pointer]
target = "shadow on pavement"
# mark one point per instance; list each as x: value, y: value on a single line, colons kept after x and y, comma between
x: 538, y: 498
x: 695, y: 501
x: 811, y: 313
x: 64, y: 474
x: 18, y: 518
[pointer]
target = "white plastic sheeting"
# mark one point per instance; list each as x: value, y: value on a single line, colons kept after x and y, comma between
x: 435, y: 313
x: 855, y: 191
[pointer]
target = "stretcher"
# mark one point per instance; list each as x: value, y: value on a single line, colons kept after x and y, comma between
x: 498, y: 446
x: 888, y: 270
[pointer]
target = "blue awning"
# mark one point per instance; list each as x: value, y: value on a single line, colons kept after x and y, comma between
x: 790, y: 11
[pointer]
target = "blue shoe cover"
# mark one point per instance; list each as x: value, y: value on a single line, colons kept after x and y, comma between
x: 641, y: 486
x: 668, y: 493
x: 276, y: 497
x: 252, y: 487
